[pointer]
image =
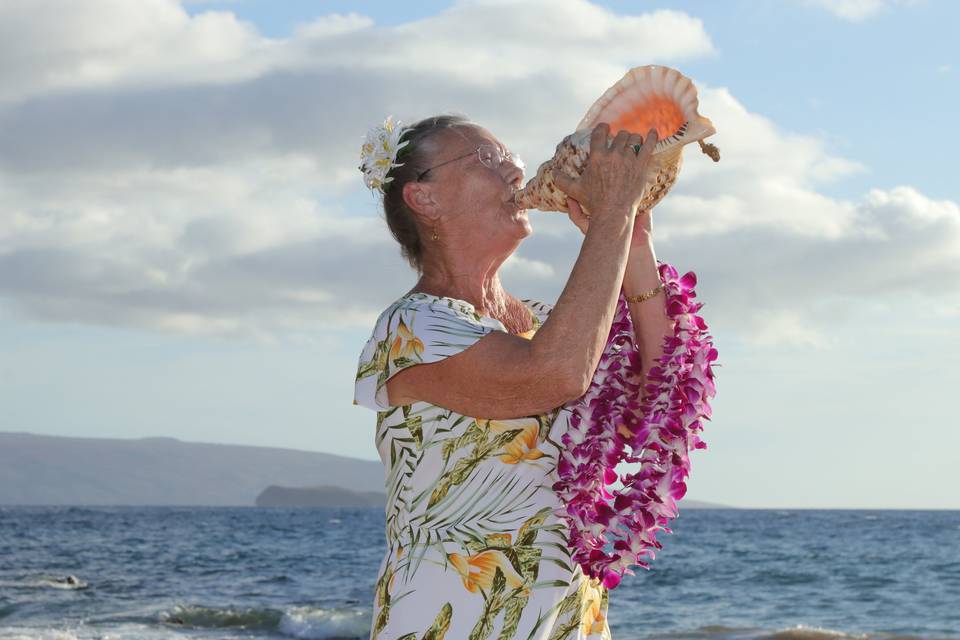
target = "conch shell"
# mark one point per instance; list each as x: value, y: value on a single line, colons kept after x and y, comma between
x: 646, y: 97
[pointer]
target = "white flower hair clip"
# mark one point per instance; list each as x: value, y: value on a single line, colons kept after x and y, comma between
x: 379, y: 153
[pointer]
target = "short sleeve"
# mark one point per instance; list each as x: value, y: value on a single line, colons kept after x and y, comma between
x: 411, y: 333
x: 541, y: 310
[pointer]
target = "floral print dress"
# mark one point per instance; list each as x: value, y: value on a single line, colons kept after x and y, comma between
x: 474, y: 550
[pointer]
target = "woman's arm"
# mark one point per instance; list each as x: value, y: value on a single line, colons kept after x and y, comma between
x: 651, y: 324
x: 504, y: 376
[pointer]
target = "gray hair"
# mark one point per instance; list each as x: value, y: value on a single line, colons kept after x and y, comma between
x: 416, y: 157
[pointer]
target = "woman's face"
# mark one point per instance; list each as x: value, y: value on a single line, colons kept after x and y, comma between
x: 477, y: 200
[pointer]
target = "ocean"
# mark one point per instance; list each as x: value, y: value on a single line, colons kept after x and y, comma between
x: 248, y: 572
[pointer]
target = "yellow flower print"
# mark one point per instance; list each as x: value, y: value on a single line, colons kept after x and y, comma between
x: 524, y: 445
x: 405, y: 345
x: 478, y: 570
x: 592, y: 619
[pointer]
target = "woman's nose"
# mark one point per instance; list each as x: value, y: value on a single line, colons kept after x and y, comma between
x: 515, y: 176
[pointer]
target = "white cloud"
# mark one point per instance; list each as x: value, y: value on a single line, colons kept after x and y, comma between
x: 165, y: 170
x: 186, y: 174
x: 856, y: 10
x: 783, y: 327
x: 780, y: 261
x: 57, y: 45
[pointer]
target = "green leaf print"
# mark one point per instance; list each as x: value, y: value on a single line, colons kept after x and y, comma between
x: 513, y: 610
x: 474, y: 434
x: 499, y: 583
x: 465, y: 466
x: 511, y: 554
x: 570, y: 605
x: 492, y: 605
x: 528, y: 559
x: 461, y: 471
x: 401, y: 362
x: 377, y: 362
x: 383, y: 415
x: 383, y: 598
x: 524, y: 558
x: 474, y: 543
x: 415, y: 425
x: 566, y: 605
x: 501, y: 439
x: 382, y: 618
x: 498, y: 541
x: 562, y: 631
x: 438, y: 630
x: 545, y: 420
x: 552, y: 583
x: 527, y: 532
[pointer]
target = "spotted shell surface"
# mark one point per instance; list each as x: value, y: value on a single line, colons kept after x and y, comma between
x: 646, y: 97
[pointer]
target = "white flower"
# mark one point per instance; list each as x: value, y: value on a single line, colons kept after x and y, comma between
x: 379, y: 153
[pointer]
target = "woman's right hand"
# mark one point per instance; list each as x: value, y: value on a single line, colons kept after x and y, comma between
x: 613, y: 178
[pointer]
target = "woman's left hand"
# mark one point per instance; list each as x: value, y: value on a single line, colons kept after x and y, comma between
x: 642, y: 227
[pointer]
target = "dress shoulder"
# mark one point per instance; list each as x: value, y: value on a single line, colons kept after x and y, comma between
x: 418, y: 328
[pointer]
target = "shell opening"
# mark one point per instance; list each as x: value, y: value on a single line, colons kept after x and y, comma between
x: 656, y: 112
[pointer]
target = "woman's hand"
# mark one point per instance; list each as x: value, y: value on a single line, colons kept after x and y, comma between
x: 577, y: 216
x: 642, y: 228
x: 614, y: 175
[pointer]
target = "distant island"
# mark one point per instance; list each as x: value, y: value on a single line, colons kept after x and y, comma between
x: 59, y: 470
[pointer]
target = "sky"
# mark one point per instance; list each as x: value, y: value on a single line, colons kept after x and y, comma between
x: 187, y: 248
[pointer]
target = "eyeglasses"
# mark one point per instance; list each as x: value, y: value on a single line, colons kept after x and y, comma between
x: 489, y: 155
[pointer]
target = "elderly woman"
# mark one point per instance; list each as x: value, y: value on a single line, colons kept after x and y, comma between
x: 469, y: 384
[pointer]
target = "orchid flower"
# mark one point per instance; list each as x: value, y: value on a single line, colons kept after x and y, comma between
x: 615, y: 421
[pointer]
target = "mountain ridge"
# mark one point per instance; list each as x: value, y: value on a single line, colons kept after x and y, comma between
x: 69, y: 470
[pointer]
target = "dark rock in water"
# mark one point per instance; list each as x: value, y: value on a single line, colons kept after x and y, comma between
x: 319, y: 496
x: 69, y: 581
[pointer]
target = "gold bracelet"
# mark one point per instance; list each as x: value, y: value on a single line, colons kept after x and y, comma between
x: 640, y: 297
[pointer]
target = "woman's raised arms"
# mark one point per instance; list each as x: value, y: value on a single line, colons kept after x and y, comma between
x: 506, y: 376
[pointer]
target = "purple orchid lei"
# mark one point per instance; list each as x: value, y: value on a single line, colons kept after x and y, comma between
x: 613, y: 422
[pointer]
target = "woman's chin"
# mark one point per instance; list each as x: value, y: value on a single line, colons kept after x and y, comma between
x: 520, y: 215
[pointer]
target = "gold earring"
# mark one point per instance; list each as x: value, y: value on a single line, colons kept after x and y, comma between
x: 433, y: 235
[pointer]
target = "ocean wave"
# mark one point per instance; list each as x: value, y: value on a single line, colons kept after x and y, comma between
x: 308, y: 623
x: 34, y: 633
x: 198, y: 617
x: 798, y: 632
x: 326, y: 624
x: 88, y: 632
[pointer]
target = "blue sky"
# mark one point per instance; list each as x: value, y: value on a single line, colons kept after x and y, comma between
x: 179, y: 206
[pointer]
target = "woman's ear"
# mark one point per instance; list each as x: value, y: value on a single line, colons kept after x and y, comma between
x: 417, y: 196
